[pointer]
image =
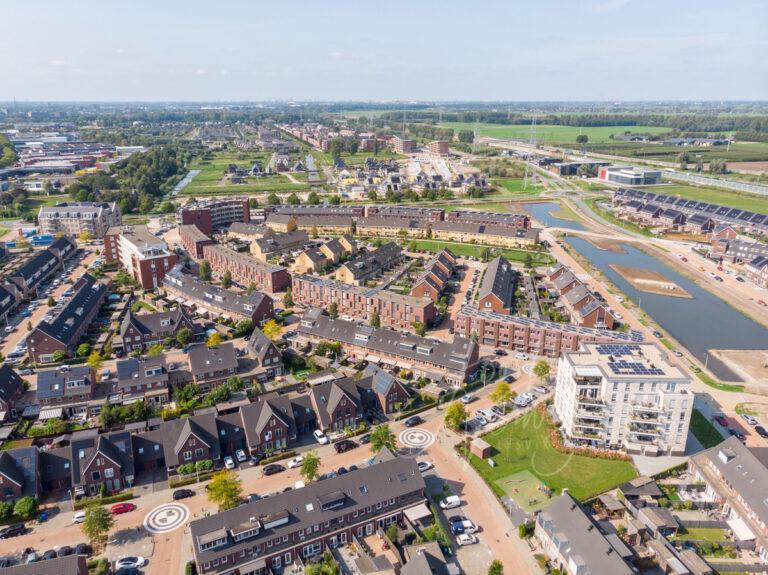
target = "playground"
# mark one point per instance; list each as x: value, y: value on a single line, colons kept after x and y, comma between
x: 527, y: 490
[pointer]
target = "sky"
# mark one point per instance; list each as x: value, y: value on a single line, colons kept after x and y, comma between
x: 383, y: 50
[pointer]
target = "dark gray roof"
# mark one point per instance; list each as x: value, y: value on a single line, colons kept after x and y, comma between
x: 280, y: 242
x: 69, y: 565
x: 10, y: 382
x: 116, y: 446
x: 133, y: 371
x: 204, y: 359
x: 372, y: 262
x: 21, y: 465
x: 256, y: 415
x: 259, y: 344
x: 499, y: 280
x: 61, y: 383
x: 175, y: 431
x: 152, y: 323
x: 64, y: 327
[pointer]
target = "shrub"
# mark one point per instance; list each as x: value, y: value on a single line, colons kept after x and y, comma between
x: 116, y: 498
x: 5, y: 510
x: 190, y: 568
x: 204, y: 465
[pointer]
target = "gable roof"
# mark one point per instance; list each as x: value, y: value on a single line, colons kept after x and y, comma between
x: 175, y: 431
x: 10, y: 383
x: 204, y: 359
x: 64, y: 327
x: 260, y: 345
x: 152, y: 323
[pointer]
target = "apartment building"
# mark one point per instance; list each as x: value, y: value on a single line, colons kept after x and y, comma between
x: 484, y: 234
x: 370, y: 264
x: 359, y: 303
x: 433, y: 280
x: 439, y: 148
x: 245, y: 270
x: 215, y: 214
x: 620, y: 396
x: 405, y: 213
x: 489, y: 218
x: 574, y: 542
x: 734, y: 479
x: 403, y: 145
x: 67, y: 389
x: 276, y: 245
x: 531, y: 335
x: 215, y: 301
x: 323, y: 224
x: 64, y: 331
x: 440, y: 361
x: 390, y: 227
x: 74, y: 218
x: 145, y: 256
x: 497, y: 290
x: 260, y: 537
x: 248, y: 232
x: 193, y: 240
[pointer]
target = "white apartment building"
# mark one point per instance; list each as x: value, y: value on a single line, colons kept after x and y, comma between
x: 624, y: 396
x: 145, y: 256
x: 73, y: 218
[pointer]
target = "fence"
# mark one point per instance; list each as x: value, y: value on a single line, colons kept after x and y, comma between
x: 717, y: 182
x: 726, y: 567
x: 702, y: 524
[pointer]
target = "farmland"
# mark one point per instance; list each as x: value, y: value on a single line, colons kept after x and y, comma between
x: 716, y: 196
x: 551, y: 134
x: 739, y: 152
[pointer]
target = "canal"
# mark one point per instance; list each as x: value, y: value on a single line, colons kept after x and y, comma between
x: 542, y: 212
x: 702, y: 323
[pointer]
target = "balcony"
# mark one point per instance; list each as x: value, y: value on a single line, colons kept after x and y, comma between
x: 597, y: 424
x: 650, y: 408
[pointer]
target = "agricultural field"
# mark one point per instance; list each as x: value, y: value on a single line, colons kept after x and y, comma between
x: 739, y: 152
x: 716, y: 196
x: 550, y: 134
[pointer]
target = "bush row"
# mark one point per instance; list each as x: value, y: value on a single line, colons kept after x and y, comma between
x: 116, y: 498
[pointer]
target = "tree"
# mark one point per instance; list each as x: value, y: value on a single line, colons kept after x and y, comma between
x: 496, y: 568
x: 528, y: 261
x: 501, y: 394
x: 310, y: 467
x: 375, y: 319
x: 251, y: 288
x: 85, y: 236
x: 582, y: 139
x: 382, y: 437
x: 271, y: 329
x: 26, y: 508
x: 155, y: 350
x: 466, y: 136
x: 419, y: 328
x: 273, y: 200
x: 683, y: 158
x: 51, y: 302
x: 226, y: 279
x: 225, y: 490
x: 253, y: 203
x: 97, y: 524
x: 94, y: 361
x: 313, y: 233
x: 214, y: 340
x: 184, y: 336
x: 59, y: 355
x: 204, y: 271
x: 373, y: 196
x: 288, y: 298
x: 392, y: 533
x: 455, y: 415
x: 541, y: 369
x: 333, y: 310
x: 83, y: 349
x: 312, y: 198
x: 29, y: 326
x: 6, y: 510
x: 293, y: 199
x: 243, y: 327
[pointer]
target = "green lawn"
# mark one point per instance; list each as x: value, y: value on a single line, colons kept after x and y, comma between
x: 552, y: 134
x: 711, y: 534
x: 716, y: 196
x: 524, y: 445
x: 610, y: 217
x: 705, y: 432
x: 515, y: 186
x: 475, y: 250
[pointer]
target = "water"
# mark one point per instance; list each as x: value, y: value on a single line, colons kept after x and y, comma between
x: 183, y: 182
x: 700, y: 324
x: 542, y: 211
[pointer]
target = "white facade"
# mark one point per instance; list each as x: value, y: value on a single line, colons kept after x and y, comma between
x: 73, y: 218
x: 626, y: 397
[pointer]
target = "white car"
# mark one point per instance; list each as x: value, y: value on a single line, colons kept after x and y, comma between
x: 521, y: 355
x: 295, y: 462
x: 488, y: 414
x: 466, y: 539
x: 482, y: 421
x: 240, y: 454
x: 619, y: 298
x: 750, y: 419
x: 105, y: 375
x: 130, y: 562
x: 450, y: 502
x: 320, y: 437
x: 425, y: 466
x: 229, y: 463
x: 78, y: 517
x: 617, y: 315
x: 467, y: 398
x: 539, y: 389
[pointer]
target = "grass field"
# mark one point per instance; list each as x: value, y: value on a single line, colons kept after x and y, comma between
x: 610, y: 217
x: 711, y: 534
x: 704, y: 431
x: 515, y: 186
x: 715, y: 196
x: 552, y: 134
x: 475, y: 250
x: 738, y: 152
x: 524, y: 445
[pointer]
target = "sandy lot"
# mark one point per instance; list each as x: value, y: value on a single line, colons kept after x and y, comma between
x: 757, y: 167
x: 750, y: 364
x: 650, y: 281
x: 605, y: 244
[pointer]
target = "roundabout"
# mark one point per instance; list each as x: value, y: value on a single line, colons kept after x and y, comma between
x: 165, y: 518
x: 416, y: 438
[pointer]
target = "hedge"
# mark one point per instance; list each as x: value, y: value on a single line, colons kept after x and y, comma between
x: 181, y: 482
x: 279, y: 457
x: 116, y: 498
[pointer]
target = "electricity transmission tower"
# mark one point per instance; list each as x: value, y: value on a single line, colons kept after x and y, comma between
x: 532, y: 143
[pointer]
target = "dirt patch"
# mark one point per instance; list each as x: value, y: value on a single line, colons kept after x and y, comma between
x: 752, y: 365
x: 650, y: 281
x: 686, y: 237
x: 757, y: 167
x: 605, y: 244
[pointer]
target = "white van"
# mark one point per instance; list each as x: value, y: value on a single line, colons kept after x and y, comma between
x: 450, y: 502
x: 78, y: 517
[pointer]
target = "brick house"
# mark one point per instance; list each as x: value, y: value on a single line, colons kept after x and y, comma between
x: 142, y: 331
x: 11, y: 389
x: 246, y: 270
x: 337, y: 404
x: 19, y: 473
x: 70, y: 388
x: 194, y: 240
x: 146, y: 379
x: 497, y: 289
x: 212, y: 366
x: 269, y: 423
x: 267, y: 356
x: 101, y: 460
x: 190, y: 440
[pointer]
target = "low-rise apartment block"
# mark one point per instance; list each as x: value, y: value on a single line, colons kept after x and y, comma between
x: 359, y: 303
x: 370, y: 264
x: 260, y: 537
x: 145, y: 256
x: 74, y: 218
x: 138, y: 332
x: 629, y: 397
x: 215, y: 301
x: 276, y: 245
x: 194, y: 240
x: 246, y: 270
x: 484, y: 234
x: 439, y: 147
x: 215, y: 214
x: 403, y: 145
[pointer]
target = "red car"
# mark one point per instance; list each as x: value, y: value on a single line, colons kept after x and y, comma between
x: 722, y: 420
x: 120, y: 508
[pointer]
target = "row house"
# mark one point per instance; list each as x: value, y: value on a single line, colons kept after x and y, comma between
x: 497, y: 290
x: 489, y: 218
x: 437, y: 271
x: 323, y: 224
x: 63, y: 332
x: 246, y: 270
x: 529, y: 335
x: 265, y: 536
x: 19, y: 473
x: 138, y: 332
x: 41, y: 266
x: 145, y: 378
x: 353, y: 302
x: 248, y: 232
x: 484, y: 234
x: 405, y: 213
x: 389, y: 226
x: 11, y: 390
x: 757, y: 271
x: 212, y: 366
x: 275, y: 245
x: 214, y: 301
x: 585, y: 309
x: 194, y: 240
x: 370, y: 264
x: 268, y: 359
x: 97, y: 460
x: 66, y: 389
x: 452, y: 363
x: 331, y: 252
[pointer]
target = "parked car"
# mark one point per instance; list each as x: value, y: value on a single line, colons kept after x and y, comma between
x: 49, y: 554
x: 120, y: 508
x: 272, y: 468
x: 253, y: 498
x: 467, y: 398
x: 750, y: 419
x: 499, y: 352
x: 83, y: 549
x: 229, y: 463
x: 761, y: 431
x: 6, y: 562
x: 295, y: 462
x: 425, y: 466
x: 450, y: 502
x: 466, y: 539
x: 342, y: 471
x: 31, y: 557
x: 344, y: 445
x: 13, y: 530
x: 413, y: 421
x: 463, y: 526
x: 364, y: 439
x: 78, y: 517
x: 658, y: 334
x: 738, y: 434
x: 182, y: 494
x: 521, y: 355
x: 539, y: 389
x: 240, y: 455
x: 722, y: 420
x: 488, y: 414
x: 63, y: 551
x: 131, y: 562
x: 320, y: 437
x: 481, y: 421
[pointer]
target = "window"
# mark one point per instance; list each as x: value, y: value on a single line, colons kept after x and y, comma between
x: 198, y: 452
x: 187, y: 456
x: 109, y: 473
x: 96, y: 476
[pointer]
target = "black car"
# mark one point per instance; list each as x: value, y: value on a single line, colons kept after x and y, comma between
x: 182, y: 494
x: 353, y: 467
x: 128, y: 571
x: 499, y: 352
x: 413, y: 420
x: 342, y: 471
x: 6, y: 562
x: 13, y: 530
x: 344, y: 445
x: 761, y: 431
x: 272, y: 468
x: 83, y: 549
x: 64, y: 551
x: 253, y: 498
x: 48, y: 555
x: 658, y: 334
x: 365, y: 438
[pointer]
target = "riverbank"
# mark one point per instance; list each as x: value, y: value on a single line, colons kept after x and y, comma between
x: 650, y: 281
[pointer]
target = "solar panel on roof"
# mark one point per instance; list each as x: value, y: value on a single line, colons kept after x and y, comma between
x: 700, y: 205
x: 745, y: 216
x: 681, y: 202
x: 661, y: 198
x: 711, y: 208
x: 733, y: 213
x: 722, y: 210
x: 758, y: 218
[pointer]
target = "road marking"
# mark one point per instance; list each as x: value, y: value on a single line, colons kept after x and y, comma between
x: 528, y: 369
x: 165, y: 518
x: 417, y: 438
